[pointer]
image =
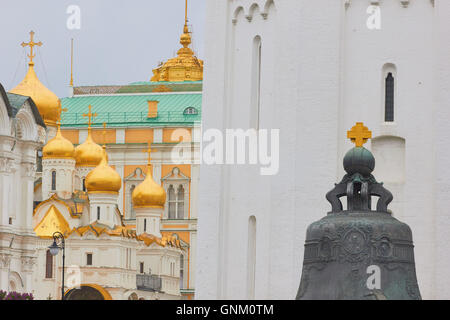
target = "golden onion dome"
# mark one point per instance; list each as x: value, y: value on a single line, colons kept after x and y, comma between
x: 88, y: 154
x: 149, y: 194
x: 103, y: 179
x: 58, y: 148
x: 47, y: 102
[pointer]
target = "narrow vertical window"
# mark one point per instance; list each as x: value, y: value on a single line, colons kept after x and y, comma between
x: 145, y: 225
x: 251, y: 257
x: 48, y: 265
x: 256, y: 84
x: 98, y: 213
x: 132, y: 214
x: 89, y: 259
x: 389, y: 98
x: 84, y: 185
x: 141, y: 267
x: 180, y: 202
x: 172, y: 203
x: 181, y: 271
x: 53, y: 180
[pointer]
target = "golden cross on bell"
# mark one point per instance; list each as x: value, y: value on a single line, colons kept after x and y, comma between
x: 359, y: 134
x: 31, y: 44
x: 149, y: 151
x: 90, y: 115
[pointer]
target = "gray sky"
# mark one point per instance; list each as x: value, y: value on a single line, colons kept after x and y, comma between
x: 120, y: 41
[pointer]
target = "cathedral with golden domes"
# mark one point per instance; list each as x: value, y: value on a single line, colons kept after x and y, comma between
x: 114, y: 170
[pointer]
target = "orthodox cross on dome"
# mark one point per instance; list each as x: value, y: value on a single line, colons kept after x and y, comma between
x: 104, y: 133
x: 31, y: 44
x: 60, y: 111
x: 149, y: 151
x: 90, y: 116
x: 359, y: 134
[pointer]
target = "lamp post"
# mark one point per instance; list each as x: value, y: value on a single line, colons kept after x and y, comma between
x: 54, y: 249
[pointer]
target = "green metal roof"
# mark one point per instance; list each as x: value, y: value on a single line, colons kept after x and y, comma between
x: 120, y: 110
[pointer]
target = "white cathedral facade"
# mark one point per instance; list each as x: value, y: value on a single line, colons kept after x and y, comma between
x: 312, y: 69
x: 105, y: 259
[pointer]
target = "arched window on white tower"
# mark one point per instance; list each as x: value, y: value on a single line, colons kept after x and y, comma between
x: 389, y: 88
x: 48, y: 265
x: 251, y: 257
x: 256, y: 84
x: 389, y: 98
x: 53, y: 180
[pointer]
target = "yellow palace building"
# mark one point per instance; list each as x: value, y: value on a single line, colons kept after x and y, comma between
x: 117, y: 174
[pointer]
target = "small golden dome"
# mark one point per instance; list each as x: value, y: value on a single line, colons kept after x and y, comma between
x: 149, y: 193
x: 58, y: 148
x: 103, y: 179
x: 88, y: 154
x: 47, y: 102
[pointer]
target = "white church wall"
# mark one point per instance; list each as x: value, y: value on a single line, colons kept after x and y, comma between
x: 328, y: 73
x: 440, y: 237
x: 402, y: 46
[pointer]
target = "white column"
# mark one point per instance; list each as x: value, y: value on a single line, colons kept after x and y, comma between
x: 5, y: 187
x: 195, y: 176
x: 120, y: 170
x: 157, y: 173
x: 157, y: 135
x: 5, y: 261
x: 120, y: 136
x: 27, y: 187
x: 82, y: 135
x: 27, y: 273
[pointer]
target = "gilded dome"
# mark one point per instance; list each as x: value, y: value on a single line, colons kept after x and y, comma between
x: 149, y: 193
x: 47, y: 102
x: 103, y: 179
x: 185, y: 67
x: 58, y: 148
x: 88, y: 153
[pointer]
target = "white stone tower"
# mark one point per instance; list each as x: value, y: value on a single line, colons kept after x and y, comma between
x: 58, y: 167
x: 312, y: 69
x: 103, y: 184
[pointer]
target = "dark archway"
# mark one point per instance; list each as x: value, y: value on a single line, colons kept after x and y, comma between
x: 84, y: 293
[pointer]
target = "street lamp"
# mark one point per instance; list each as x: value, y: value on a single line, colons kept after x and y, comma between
x: 54, y: 249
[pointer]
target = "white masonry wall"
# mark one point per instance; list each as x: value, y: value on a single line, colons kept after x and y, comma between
x: 322, y: 70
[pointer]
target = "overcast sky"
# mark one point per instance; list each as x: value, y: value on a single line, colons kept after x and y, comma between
x: 118, y: 41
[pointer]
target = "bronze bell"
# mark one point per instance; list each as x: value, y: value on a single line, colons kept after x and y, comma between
x: 359, y: 253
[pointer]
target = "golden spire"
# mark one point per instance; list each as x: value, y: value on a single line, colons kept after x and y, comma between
x: 149, y: 194
x: 359, y: 134
x: 71, y: 63
x: 31, y: 44
x: 185, y: 16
